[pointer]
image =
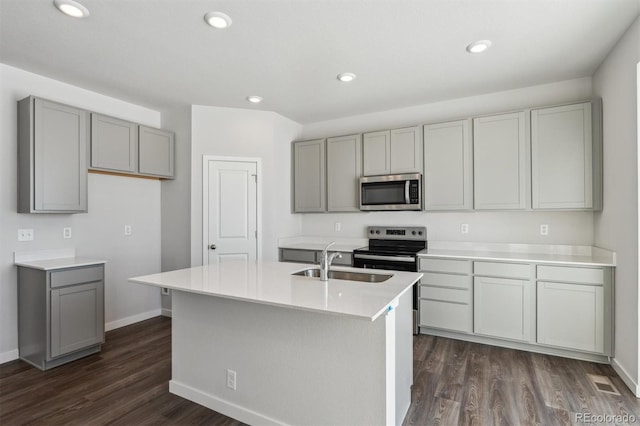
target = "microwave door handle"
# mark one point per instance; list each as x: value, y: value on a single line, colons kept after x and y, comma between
x: 407, y: 184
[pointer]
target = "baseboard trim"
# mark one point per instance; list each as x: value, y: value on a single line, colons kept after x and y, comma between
x: 220, y: 405
x: 9, y: 356
x: 166, y: 312
x: 626, y: 377
x: 523, y: 346
x: 132, y: 319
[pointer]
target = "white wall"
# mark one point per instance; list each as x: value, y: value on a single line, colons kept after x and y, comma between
x: 176, y: 194
x: 176, y: 199
x: 516, y: 227
x: 113, y: 202
x: 238, y: 132
x: 616, y: 228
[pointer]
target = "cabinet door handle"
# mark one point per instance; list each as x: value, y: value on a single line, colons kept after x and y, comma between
x: 212, y: 247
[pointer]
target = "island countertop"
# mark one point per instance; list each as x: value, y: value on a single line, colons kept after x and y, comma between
x: 272, y: 283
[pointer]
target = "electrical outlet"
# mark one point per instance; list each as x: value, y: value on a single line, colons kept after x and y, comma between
x: 231, y: 379
x: 25, y: 234
x: 66, y: 233
x: 165, y: 291
x: 337, y: 226
x: 127, y: 230
x: 544, y: 229
x: 464, y: 228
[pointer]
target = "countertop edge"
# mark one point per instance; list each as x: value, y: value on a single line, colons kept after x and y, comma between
x: 519, y: 257
x: 155, y: 281
x: 60, y: 263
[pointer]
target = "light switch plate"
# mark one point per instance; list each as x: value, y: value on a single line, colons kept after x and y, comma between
x: 127, y: 230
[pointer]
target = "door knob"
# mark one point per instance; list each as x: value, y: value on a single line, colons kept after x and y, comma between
x: 212, y: 247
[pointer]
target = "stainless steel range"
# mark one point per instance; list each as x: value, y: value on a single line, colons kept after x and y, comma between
x: 394, y: 248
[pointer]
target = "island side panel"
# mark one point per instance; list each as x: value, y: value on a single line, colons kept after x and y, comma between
x: 292, y: 366
x: 404, y: 355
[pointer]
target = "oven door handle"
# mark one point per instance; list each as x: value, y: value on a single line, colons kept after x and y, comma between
x: 407, y: 185
x: 388, y: 258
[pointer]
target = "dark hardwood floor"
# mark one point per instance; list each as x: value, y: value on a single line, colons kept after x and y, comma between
x: 456, y: 383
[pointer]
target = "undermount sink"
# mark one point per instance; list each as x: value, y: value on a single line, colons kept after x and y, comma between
x: 345, y: 275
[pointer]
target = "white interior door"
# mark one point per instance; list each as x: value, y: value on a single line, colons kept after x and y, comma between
x: 231, y: 213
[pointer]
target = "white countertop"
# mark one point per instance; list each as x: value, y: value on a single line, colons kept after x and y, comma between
x: 48, y: 260
x: 65, y: 262
x: 530, y: 253
x: 271, y: 283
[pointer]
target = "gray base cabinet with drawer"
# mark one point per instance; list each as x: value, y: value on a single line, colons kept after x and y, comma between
x: 564, y: 310
x: 445, y: 295
x: 503, y: 300
x: 60, y: 314
x: 575, y: 308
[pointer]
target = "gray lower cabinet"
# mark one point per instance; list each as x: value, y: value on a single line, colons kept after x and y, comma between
x: 309, y: 180
x: 52, y: 157
x: 114, y: 144
x: 500, y: 162
x: 445, y: 295
x: 448, y: 166
x: 156, y: 152
x: 566, y: 157
x: 559, y: 309
x: 575, y: 308
x: 344, y: 168
x: 312, y: 256
x: 503, y: 300
x: 60, y: 314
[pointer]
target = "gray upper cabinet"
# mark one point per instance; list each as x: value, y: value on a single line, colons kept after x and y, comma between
x: 344, y: 168
x: 564, y: 157
x: 376, y: 150
x: 156, y: 152
x: 448, y: 166
x: 309, y: 178
x: 500, y: 156
x: 392, y: 151
x: 406, y: 150
x: 52, y: 157
x: 114, y: 144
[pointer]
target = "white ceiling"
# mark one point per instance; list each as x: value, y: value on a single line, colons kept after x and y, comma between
x: 161, y: 54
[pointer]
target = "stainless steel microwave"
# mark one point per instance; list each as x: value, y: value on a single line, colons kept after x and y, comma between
x: 391, y: 192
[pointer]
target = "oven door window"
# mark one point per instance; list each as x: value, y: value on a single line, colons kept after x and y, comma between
x: 380, y: 193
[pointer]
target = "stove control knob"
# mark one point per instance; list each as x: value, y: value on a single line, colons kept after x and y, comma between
x: 372, y: 231
x: 377, y: 231
x: 413, y: 232
x: 419, y: 232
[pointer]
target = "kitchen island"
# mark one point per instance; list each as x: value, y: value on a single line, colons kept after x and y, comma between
x: 254, y: 342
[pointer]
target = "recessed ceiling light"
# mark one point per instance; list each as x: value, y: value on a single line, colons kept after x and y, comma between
x: 217, y: 20
x: 71, y: 8
x: 479, y: 46
x: 346, y: 77
x: 254, y: 99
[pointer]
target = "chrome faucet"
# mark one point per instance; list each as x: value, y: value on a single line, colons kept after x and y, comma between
x: 325, y: 261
